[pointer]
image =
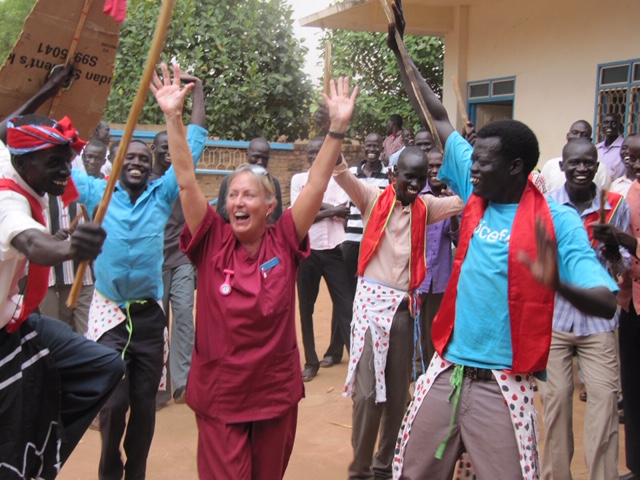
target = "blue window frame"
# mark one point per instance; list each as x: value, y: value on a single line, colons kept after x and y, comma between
x: 618, y: 91
x: 494, y: 91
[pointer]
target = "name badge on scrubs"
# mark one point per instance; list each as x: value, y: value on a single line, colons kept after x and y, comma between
x: 265, y: 267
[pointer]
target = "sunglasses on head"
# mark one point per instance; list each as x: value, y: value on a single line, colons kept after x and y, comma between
x: 259, y: 169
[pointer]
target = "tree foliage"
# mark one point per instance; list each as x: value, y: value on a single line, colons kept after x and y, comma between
x: 13, y: 14
x: 243, y: 50
x: 365, y: 57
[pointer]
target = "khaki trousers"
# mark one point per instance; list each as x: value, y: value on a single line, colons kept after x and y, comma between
x: 482, y: 427
x: 598, y: 361
x: 369, y: 417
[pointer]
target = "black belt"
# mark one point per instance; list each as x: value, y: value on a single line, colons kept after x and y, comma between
x: 137, y: 307
x: 483, y: 374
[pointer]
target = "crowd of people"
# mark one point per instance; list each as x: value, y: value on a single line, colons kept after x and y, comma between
x: 467, y: 273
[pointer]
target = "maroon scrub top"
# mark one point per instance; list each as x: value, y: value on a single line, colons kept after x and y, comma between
x: 245, y: 365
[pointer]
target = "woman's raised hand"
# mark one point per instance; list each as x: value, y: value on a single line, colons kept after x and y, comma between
x: 169, y: 94
x: 340, y: 104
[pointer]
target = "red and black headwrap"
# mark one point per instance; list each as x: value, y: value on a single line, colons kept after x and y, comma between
x: 31, y: 138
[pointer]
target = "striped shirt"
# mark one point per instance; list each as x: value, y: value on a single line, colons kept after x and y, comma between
x: 567, y: 318
x: 67, y: 268
x: 355, y: 227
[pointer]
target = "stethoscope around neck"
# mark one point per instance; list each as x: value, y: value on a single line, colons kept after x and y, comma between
x: 225, y: 288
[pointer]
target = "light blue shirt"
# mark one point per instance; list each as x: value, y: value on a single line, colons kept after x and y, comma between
x: 130, y: 265
x: 566, y: 317
x: 482, y: 330
x: 393, y: 159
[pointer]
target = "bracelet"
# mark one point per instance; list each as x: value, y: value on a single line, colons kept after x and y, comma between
x: 338, y: 135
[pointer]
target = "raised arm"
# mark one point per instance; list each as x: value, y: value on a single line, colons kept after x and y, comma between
x: 436, y: 109
x: 340, y: 104
x: 170, y: 97
x: 198, y: 116
x: 60, y: 78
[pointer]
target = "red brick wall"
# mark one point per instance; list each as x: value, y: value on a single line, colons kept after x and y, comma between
x: 283, y: 165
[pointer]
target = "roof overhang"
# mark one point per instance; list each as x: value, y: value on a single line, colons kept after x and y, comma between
x: 368, y: 16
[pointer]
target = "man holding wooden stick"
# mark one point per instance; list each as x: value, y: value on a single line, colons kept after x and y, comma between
x: 591, y: 338
x: 493, y: 330
x: 126, y: 312
x: 628, y: 299
x: 52, y: 380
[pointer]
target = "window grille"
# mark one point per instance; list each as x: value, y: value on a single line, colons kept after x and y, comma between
x: 618, y: 92
x: 222, y: 158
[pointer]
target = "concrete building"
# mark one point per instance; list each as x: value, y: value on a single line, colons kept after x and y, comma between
x: 546, y: 63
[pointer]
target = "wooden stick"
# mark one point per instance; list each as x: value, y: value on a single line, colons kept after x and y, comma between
x: 82, y: 214
x: 343, y: 425
x: 603, y: 219
x: 327, y: 67
x: 72, y: 49
x: 461, y: 107
x: 136, y: 108
x: 412, y: 78
x: 603, y: 199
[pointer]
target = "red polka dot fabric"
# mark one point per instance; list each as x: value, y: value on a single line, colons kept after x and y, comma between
x: 517, y: 390
x: 105, y: 314
x: 374, y: 307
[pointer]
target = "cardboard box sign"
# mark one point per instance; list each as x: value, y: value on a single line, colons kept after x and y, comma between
x: 45, y: 41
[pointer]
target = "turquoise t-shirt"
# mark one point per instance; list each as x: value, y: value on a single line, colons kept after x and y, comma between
x: 482, y: 334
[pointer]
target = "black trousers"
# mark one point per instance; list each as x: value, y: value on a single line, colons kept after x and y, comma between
x: 143, y: 355
x: 629, y: 335
x: 327, y: 264
x: 350, y: 252
x: 59, y: 375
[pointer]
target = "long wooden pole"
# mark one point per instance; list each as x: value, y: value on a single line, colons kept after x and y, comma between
x: 327, y: 67
x: 136, y: 108
x: 461, y: 108
x: 72, y: 49
x: 412, y: 78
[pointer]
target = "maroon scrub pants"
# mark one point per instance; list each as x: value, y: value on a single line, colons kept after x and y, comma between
x: 246, y: 451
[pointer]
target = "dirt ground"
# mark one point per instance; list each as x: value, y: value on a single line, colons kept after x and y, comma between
x: 323, y: 446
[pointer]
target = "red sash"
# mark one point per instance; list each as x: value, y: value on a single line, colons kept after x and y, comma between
x: 373, y: 232
x: 38, y: 276
x: 530, y: 303
x: 614, y: 199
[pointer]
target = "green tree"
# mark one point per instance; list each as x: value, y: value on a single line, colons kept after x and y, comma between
x: 243, y: 50
x: 13, y: 14
x: 364, y: 56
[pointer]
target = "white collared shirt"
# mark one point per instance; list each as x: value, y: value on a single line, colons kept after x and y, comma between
x: 15, y: 218
x: 327, y: 233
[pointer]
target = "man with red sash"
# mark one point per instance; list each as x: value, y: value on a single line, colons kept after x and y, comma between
x: 629, y: 301
x: 391, y: 267
x: 592, y: 338
x: 52, y: 380
x: 516, y: 250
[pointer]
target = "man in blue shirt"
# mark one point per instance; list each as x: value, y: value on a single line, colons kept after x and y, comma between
x: 488, y: 339
x: 592, y: 338
x: 126, y: 313
x: 178, y: 274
